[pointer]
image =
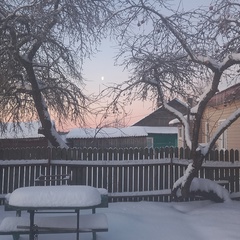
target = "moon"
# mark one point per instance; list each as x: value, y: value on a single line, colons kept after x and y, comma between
x: 102, y: 78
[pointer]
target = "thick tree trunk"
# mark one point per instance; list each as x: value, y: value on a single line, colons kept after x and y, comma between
x: 47, y: 127
x: 185, y: 181
x: 190, y: 175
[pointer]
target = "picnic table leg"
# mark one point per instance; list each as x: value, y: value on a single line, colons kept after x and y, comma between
x: 18, y: 213
x: 94, y: 234
x: 78, y: 216
x: 31, y: 234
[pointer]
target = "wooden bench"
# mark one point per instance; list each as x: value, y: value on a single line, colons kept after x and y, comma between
x: 65, y: 223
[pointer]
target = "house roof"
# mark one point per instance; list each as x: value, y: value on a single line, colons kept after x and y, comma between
x: 226, y: 96
x: 21, y: 130
x: 133, y: 131
x: 161, y: 116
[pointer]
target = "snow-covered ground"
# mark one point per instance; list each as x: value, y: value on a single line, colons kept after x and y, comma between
x: 200, y: 220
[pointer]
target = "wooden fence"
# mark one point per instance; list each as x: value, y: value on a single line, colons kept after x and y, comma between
x: 128, y: 174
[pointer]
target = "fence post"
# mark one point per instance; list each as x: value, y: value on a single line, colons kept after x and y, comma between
x: 221, y: 155
x: 171, y: 171
x: 232, y: 155
x: 236, y: 155
x: 49, y: 154
x: 181, y: 153
x: 226, y: 156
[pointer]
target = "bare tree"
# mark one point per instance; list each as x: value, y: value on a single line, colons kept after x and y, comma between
x: 171, y: 52
x: 42, y: 46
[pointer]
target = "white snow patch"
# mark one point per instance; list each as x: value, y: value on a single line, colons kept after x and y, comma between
x: 55, y: 196
x: 26, y: 130
x: 208, y: 185
x: 182, y: 180
x: 233, y: 56
x: 196, y: 220
x: 202, y: 184
x: 207, y: 59
x: 87, y: 221
x: 136, y: 131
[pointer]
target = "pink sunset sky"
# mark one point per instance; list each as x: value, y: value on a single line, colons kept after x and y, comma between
x: 100, y: 71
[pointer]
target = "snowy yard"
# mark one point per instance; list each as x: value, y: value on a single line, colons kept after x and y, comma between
x: 200, y: 220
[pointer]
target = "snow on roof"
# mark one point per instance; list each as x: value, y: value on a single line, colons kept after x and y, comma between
x: 134, y: 131
x: 183, y: 103
x: 161, y: 130
x: 25, y: 130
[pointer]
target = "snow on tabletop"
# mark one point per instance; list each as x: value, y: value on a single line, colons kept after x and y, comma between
x: 103, y: 191
x: 55, y: 196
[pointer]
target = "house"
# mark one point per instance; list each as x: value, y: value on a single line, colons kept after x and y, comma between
x: 161, y: 117
x: 219, y: 108
x: 26, y: 135
x: 134, y: 136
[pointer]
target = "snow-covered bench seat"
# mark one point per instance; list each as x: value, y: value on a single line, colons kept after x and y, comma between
x: 17, y: 226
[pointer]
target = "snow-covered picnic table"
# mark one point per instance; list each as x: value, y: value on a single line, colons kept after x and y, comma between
x: 57, y: 199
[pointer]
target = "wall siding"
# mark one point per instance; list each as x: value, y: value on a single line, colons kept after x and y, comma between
x: 214, y: 114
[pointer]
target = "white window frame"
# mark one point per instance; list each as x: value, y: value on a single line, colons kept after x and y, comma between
x: 207, y: 132
x: 180, y: 132
x: 222, y: 140
x: 150, y: 142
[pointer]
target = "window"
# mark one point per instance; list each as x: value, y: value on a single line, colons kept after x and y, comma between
x: 207, y: 132
x: 180, y: 129
x: 222, y: 140
x: 149, y: 142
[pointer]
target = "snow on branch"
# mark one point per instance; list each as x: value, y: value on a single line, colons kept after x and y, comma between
x: 182, y: 180
x: 230, y: 60
x: 170, y: 26
x: 183, y: 120
x: 206, y: 60
x: 194, y: 110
